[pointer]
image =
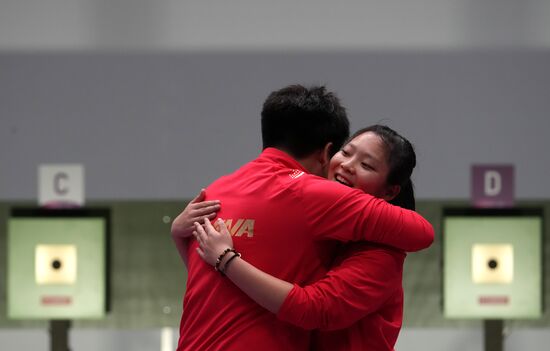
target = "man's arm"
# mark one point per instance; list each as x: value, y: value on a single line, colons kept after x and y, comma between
x: 181, y: 246
x: 368, y: 277
x: 333, y: 211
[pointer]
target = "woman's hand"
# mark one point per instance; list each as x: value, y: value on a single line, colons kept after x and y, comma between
x: 212, y: 243
x: 196, y: 211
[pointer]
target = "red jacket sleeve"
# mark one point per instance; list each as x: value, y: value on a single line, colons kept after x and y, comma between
x: 334, y: 211
x: 367, y: 278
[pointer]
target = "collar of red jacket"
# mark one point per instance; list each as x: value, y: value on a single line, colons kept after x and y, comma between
x: 282, y: 157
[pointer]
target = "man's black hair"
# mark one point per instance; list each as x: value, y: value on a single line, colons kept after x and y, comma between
x: 302, y: 120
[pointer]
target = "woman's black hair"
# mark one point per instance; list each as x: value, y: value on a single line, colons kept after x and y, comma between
x: 401, y: 160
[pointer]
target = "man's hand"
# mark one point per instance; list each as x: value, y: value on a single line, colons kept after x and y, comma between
x: 196, y: 211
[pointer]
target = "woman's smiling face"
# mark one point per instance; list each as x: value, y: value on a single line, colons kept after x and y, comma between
x: 363, y: 164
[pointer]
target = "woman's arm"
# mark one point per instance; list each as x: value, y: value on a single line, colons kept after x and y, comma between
x: 182, y: 227
x: 265, y: 289
x: 366, y: 278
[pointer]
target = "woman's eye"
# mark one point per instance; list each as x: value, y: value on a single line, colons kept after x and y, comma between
x: 344, y: 152
x: 367, y: 166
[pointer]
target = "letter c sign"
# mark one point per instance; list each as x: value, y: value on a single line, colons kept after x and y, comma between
x: 61, y: 183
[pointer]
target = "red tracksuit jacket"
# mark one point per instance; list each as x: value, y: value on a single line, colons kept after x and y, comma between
x: 285, y: 222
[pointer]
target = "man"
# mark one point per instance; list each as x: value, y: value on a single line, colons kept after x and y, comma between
x: 285, y: 219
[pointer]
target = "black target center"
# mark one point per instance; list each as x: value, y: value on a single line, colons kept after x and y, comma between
x: 492, y: 263
x: 56, y: 264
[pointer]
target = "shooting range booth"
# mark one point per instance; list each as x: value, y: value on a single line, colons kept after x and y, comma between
x: 58, y: 267
x: 492, y: 267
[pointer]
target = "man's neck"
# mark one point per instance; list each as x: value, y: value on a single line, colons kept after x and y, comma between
x: 310, y: 163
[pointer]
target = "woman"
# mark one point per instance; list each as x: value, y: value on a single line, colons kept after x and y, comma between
x: 358, y: 305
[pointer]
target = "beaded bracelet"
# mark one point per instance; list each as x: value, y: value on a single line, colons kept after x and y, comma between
x: 221, y: 256
x: 236, y: 254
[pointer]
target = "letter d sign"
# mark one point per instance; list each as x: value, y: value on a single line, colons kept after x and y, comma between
x: 493, y: 185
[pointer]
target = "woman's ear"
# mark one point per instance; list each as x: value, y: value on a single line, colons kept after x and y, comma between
x: 391, y: 192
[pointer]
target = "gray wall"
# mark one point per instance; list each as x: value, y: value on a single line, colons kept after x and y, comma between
x: 160, y: 126
x: 266, y: 24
